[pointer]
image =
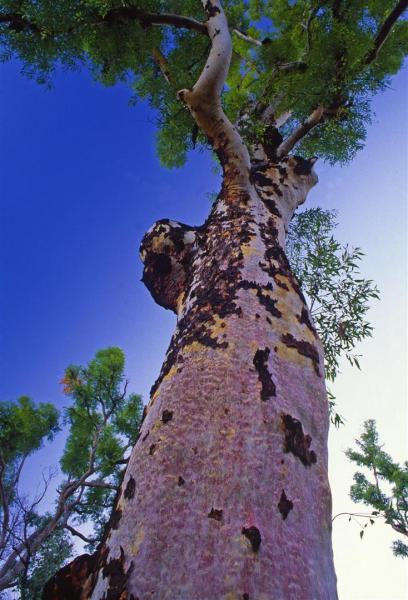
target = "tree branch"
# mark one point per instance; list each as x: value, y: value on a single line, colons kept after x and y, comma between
x: 312, y: 120
x: 78, y: 534
x: 246, y: 37
x: 19, y: 22
x: 204, y: 100
x: 146, y: 19
x: 100, y: 484
x: 385, y: 30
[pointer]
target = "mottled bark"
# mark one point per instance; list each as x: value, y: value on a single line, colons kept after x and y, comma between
x: 226, y: 493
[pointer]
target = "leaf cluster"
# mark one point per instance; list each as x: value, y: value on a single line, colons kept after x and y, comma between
x: 103, y: 426
x: 386, y: 491
x: 23, y: 429
x: 337, y: 294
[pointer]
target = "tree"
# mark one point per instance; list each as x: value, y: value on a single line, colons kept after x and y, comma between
x: 387, y: 492
x: 228, y: 478
x: 23, y: 430
x: 53, y: 553
x: 103, y: 423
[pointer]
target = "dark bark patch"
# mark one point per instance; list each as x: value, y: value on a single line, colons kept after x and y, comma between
x: 215, y: 514
x: 245, y: 596
x: 264, y: 298
x: 284, y: 505
x: 211, y: 10
x: 268, y: 303
x: 268, y: 388
x: 253, y: 535
x: 259, y: 178
x: 69, y: 582
x: 152, y: 449
x: 118, y: 577
x: 304, y: 348
x: 304, y: 318
x: 146, y: 435
x: 297, y: 442
x: 130, y: 488
x: 144, y: 413
x: 180, y: 481
x: 303, y: 166
x: 115, y: 518
x: 167, y: 416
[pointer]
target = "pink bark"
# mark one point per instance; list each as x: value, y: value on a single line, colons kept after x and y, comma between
x: 226, y: 495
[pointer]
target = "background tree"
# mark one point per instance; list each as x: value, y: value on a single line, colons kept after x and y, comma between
x: 299, y: 74
x: 386, y: 492
x: 53, y: 553
x: 23, y: 430
x: 103, y: 422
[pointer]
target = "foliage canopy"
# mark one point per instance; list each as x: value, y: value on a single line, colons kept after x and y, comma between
x: 291, y: 55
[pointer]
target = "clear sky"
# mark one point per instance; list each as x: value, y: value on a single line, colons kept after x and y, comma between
x: 80, y: 184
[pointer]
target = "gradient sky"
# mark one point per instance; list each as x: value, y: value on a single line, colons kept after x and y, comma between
x: 80, y: 184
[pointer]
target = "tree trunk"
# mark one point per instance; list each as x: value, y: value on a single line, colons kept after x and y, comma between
x: 226, y: 495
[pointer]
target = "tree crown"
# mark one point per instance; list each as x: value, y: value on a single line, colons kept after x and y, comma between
x: 301, y: 70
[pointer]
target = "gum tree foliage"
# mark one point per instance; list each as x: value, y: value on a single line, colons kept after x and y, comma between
x: 386, y: 488
x: 337, y: 295
x: 103, y: 423
x: 314, y: 64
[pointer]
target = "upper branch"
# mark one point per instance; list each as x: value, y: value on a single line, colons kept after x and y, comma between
x: 204, y: 100
x: 146, y: 19
x: 312, y: 120
x: 19, y: 22
x: 385, y: 30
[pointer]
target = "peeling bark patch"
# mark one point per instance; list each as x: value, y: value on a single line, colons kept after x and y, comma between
x: 284, y: 505
x: 130, y: 489
x: 262, y: 180
x: 303, y: 166
x: 70, y: 581
x: 152, y: 449
x: 180, y: 481
x: 305, y: 319
x: 260, y: 361
x: 115, y: 518
x: 167, y: 416
x: 262, y: 295
x: 297, y: 442
x: 215, y: 514
x: 304, y: 348
x: 118, y: 577
x: 254, y: 536
x: 210, y: 9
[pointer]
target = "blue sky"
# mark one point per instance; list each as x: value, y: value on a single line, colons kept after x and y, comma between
x: 80, y: 185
